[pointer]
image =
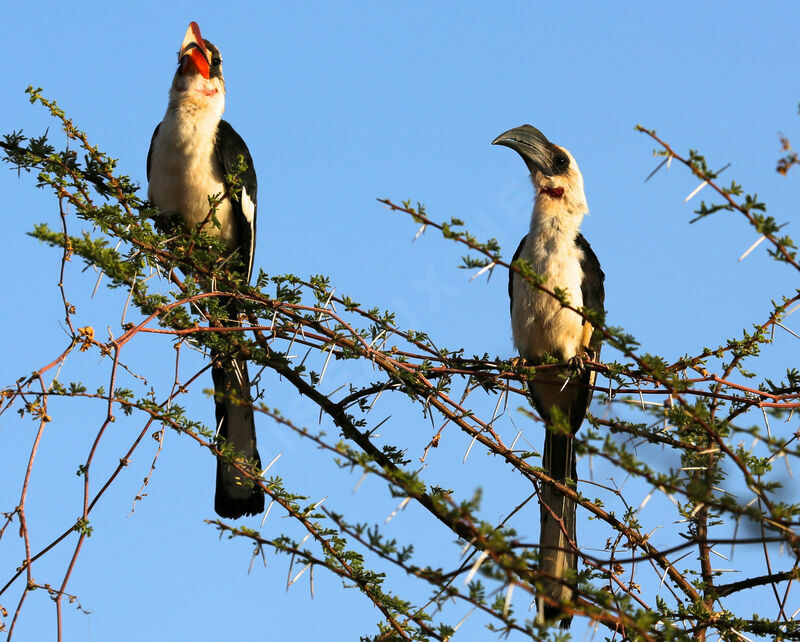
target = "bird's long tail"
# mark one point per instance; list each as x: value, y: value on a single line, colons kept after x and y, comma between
x: 236, y: 495
x: 557, y: 542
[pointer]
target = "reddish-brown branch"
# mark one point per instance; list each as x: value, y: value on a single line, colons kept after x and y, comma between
x: 779, y: 247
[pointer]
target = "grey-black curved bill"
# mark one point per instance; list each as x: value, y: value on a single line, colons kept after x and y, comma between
x: 532, y: 145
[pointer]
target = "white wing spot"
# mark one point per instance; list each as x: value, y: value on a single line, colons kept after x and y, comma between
x: 248, y: 207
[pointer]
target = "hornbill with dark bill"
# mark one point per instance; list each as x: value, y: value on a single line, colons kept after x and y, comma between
x: 542, y: 327
x: 191, y: 153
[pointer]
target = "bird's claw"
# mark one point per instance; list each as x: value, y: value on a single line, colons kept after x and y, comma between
x: 577, y: 364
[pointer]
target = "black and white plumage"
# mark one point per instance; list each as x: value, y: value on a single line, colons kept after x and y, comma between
x: 542, y: 327
x: 191, y: 152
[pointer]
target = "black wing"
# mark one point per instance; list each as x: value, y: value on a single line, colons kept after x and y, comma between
x: 150, y: 150
x: 592, y: 289
x: 511, y: 274
x: 229, y: 146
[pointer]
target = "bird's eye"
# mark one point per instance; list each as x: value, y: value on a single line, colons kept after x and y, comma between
x: 216, y: 60
x: 561, y: 162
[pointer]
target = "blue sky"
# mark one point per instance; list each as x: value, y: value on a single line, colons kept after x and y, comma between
x: 341, y: 104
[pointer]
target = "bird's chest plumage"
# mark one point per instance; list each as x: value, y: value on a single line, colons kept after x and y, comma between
x: 184, y: 172
x: 540, y: 324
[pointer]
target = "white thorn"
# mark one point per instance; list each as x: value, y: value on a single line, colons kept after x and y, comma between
x: 758, y: 242
x: 269, y: 465
x: 327, y: 303
x: 330, y: 394
x: 466, y: 547
x: 383, y: 421
x: 471, y: 444
x: 475, y: 566
x: 269, y: 508
x: 708, y: 451
x: 377, y: 336
x: 788, y: 330
x: 397, y: 510
x: 128, y: 301
x: 297, y: 577
x: 464, y: 619
x: 744, y: 637
x: 503, y: 392
x: 670, y: 565
x: 490, y: 266
x: 305, y: 356
x: 669, y: 495
x: 291, y: 343
x: 97, y: 283
x: 507, y: 604
x: 640, y: 402
x: 327, y: 359
x: 658, y: 167
x: 419, y: 231
x: 693, y: 193
x: 363, y: 477
x: 380, y: 392
x: 316, y: 506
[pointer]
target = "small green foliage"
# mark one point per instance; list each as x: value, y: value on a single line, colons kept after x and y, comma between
x: 674, y: 432
x: 83, y: 527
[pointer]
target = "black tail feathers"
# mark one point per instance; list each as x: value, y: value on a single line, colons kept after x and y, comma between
x: 236, y: 495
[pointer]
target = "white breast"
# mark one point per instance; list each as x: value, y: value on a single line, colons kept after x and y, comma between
x: 184, y: 171
x: 538, y: 322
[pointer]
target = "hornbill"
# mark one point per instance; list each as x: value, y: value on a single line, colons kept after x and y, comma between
x: 543, y: 328
x: 191, y: 153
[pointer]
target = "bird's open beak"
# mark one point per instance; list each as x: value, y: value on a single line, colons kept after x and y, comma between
x: 193, y: 52
x: 532, y: 145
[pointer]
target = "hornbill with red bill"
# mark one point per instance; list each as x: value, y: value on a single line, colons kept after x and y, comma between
x: 542, y: 327
x: 191, y: 153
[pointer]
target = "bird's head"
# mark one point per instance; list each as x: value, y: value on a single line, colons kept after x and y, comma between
x: 554, y: 172
x: 199, y: 75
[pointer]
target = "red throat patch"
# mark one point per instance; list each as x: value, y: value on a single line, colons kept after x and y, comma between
x: 555, y: 192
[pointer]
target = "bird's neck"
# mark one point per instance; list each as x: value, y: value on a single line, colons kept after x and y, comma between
x: 193, y: 116
x: 555, y: 222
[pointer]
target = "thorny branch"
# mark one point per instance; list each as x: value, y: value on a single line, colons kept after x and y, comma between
x: 686, y: 447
